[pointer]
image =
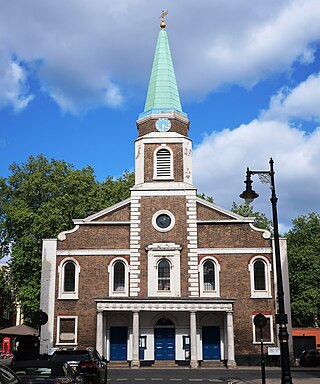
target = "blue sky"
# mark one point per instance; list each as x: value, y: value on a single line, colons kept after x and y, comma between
x: 74, y: 76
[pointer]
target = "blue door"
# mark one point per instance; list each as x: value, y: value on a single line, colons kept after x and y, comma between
x: 164, y: 344
x: 118, y: 343
x: 211, y: 343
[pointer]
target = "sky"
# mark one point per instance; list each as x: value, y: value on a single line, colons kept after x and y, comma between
x: 74, y: 76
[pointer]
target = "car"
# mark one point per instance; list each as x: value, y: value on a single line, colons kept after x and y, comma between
x: 7, y: 376
x: 88, y: 362
x: 45, y: 372
x: 310, y: 358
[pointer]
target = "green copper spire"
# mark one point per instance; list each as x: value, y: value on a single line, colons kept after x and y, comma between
x: 163, y: 94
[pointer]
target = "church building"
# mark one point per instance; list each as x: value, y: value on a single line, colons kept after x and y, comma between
x: 164, y: 276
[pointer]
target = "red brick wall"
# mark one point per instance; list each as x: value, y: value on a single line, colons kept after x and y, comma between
x: 97, y: 236
x: 178, y: 234
x: 149, y: 161
x: 176, y: 126
x: 229, y: 235
x: 206, y: 213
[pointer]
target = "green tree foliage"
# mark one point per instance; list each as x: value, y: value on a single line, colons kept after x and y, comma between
x: 39, y: 200
x: 304, y: 269
x: 6, y: 293
x: 205, y: 197
x: 246, y: 210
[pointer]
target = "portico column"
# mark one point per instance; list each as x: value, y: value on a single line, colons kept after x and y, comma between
x: 135, y: 340
x: 231, y: 363
x: 99, y: 334
x: 193, y: 340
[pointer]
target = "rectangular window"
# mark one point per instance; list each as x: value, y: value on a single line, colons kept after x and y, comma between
x: 67, y: 330
x: 267, y: 332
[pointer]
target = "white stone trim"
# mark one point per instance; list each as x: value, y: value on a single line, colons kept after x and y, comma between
x: 165, y: 212
x: 97, y: 215
x: 61, y: 271
x: 216, y: 291
x: 169, y: 114
x: 265, y: 233
x: 62, y: 235
x: 261, y: 294
x: 270, y: 317
x: 156, y: 253
x: 191, y: 205
x: 92, y: 252
x: 47, y: 295
x: 59, y: 318
x: 218, y: 306
x: 220, y: 251
x: 135, y: 229
x: 125, y: 292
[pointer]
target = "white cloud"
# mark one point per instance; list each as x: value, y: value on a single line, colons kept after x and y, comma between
x: 302, y: 102
x: 296, y: 154
x: 13, y: 86
x: 91, y: 51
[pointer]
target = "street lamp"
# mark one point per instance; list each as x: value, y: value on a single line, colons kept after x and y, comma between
x: 267, y: 177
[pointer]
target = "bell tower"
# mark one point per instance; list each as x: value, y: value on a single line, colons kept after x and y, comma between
x: 163, y: 151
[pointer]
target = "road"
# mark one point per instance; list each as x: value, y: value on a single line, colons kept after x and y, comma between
x: 206, y: 375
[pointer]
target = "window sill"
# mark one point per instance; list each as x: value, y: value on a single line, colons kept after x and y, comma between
x: 65, y: 297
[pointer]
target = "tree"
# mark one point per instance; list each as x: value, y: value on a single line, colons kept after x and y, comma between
x: 205, y: 197
x: 246, y: 210
x: 38, y: 200
x: 304, y: 269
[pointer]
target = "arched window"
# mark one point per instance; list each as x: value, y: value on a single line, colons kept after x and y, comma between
x: 209, y: 269
x: 208, y: 276
x: 69, y: 283
x: 69, y: 270
x: 260, y: 274
x: 164, y: 276
x: 163, y: 168
x: 119, y: 277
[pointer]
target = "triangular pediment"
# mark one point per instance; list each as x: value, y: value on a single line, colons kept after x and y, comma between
x: 119, y: 212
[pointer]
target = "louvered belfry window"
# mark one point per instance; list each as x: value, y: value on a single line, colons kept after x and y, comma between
x: 163, y: 163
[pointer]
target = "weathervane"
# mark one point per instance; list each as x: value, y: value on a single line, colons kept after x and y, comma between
x: 163, y: 15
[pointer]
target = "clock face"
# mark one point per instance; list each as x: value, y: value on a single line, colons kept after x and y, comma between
x: 163, y: 220
x: 163, y: 124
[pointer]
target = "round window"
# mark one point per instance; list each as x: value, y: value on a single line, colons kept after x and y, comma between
x: 163, y: 221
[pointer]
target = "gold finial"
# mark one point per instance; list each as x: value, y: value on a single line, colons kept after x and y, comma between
x: 163, y: 15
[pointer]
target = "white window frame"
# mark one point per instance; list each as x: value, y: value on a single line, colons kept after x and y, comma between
x: 270, y: 317
x: 59, y: 318
x: 216, y: 291
x: 112, y: 292
x: 68, y: 295
x: 154, y: 258
x: 266, y: 293
x: 155, y: 162
x: 154, y: 220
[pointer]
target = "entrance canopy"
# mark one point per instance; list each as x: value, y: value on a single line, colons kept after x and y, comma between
x: 19, y: 330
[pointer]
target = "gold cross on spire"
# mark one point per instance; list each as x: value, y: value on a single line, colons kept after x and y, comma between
x: 163, y: 15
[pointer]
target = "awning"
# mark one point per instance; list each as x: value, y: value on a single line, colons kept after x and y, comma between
x: 19, y: 330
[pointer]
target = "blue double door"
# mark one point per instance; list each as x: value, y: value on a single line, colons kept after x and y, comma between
x: 211, y: 343
x: 118, y: 343
x: 164, y: 344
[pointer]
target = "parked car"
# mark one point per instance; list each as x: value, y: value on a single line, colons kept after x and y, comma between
x: 310, y: 358
x: 88, y: 362
x: 45, y: 372
x: 7, y: 376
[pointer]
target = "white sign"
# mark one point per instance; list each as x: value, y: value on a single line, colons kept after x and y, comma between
x: 274, y: 351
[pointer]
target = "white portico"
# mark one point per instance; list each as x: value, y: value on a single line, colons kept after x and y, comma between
x: 143, y: 322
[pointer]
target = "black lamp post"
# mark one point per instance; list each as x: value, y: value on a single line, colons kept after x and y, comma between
x: 249, y: 195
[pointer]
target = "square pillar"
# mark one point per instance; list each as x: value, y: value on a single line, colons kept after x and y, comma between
x: 193, y: 340
x: 135, y: 340
x: 231, y: 363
